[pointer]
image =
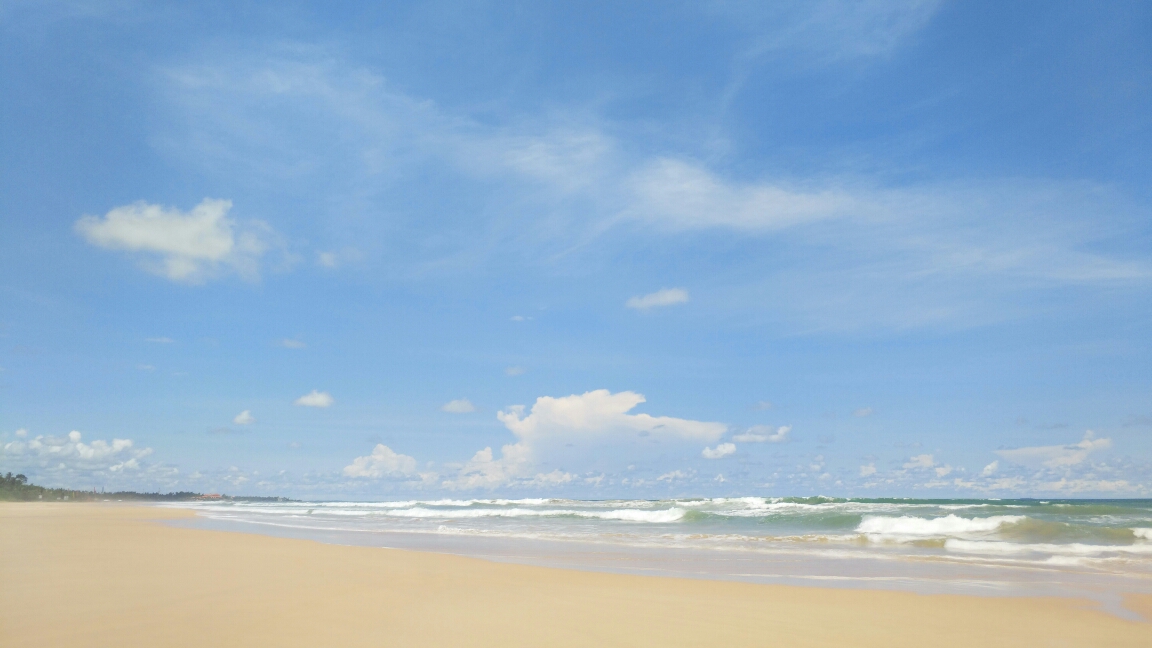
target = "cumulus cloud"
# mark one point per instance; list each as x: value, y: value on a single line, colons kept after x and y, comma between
x: 458, y: 406
x: 383, y: 462
x: 920, y: 462
x: 599, y: 416
x: 719, y: 452
x: 867, y: 470
x: 188, y: 247
x: 601, y: 412
x: 244, y: 418
x: 70, y: 454
x: 764, y: 433
x: 990, y: 469
x: 483, y: 470
x: 662, y: 297
x: 1057, y: 456
x: 315, y: 398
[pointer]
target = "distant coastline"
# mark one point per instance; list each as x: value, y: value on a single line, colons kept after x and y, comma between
x: 16, y: 488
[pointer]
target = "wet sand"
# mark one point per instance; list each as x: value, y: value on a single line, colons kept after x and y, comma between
x: 74, y: 574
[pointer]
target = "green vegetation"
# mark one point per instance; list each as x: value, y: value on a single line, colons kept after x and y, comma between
x: 15, y: 488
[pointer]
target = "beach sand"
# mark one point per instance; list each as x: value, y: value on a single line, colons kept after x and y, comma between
x: 75, y: 574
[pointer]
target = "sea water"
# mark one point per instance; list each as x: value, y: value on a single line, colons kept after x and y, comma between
x: 1097, y: 548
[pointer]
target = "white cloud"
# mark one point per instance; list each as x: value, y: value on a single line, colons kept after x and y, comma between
x: 336, y: 258
x: 942, y: 471
x: 662, y: 297
x: 555, y: 478
x: 244, y: 418
x: 762, y: 405
x: 867, y: 470
x: 912, y: 256
x: 458, y: 406
x: 315, y: 398
x: 828, y: 32
x: 1058, y: 456
x: 188, y: 247
x: 764, y: 433
x: 673, y: 476
x: 990, y: 469
x: 920, y: 462
x: 720, y: 451
x: 515, y: 371
x: 484, y: 471
x: 598, y: 413
x: 71, y: 455
x: 160, y: 340
x: 1086, y: 485
x: 596, y: 416
x: 862, y: 412
x: 383, y: 462
x: 684, y: 195
x: 293, y: 343
x: 145, y: 367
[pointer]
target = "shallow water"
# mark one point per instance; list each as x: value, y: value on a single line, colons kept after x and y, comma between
x: 1095, y: 548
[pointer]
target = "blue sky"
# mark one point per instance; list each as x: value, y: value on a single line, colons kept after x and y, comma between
x: 640, y: 250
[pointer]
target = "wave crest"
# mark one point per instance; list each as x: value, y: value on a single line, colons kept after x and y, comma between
x: 918, y: 527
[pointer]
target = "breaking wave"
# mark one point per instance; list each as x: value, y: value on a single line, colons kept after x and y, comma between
x: 948, y: 525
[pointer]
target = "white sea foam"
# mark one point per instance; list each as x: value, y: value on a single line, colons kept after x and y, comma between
x: 627, y: 515
x: 977, y: 533
x: 1070, y: 549
x: 917, y: 527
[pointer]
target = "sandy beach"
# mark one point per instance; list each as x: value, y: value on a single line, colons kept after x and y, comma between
x: 113, y: 575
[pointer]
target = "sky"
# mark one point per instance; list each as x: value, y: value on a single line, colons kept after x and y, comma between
x: 595, y: 250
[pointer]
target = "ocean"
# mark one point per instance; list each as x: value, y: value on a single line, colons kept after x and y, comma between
x: 1095, y: 548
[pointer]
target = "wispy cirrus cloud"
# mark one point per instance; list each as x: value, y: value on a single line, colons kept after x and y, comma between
x: 660, y: 298
x: 1057, y: 456
x: 938, y: 253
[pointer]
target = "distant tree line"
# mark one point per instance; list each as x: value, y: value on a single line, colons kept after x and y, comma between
x: 15, y: 488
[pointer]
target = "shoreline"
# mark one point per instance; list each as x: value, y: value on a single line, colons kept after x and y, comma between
x: 104, y: 574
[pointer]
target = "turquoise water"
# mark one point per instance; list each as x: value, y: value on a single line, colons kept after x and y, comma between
x: 998, y: 546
